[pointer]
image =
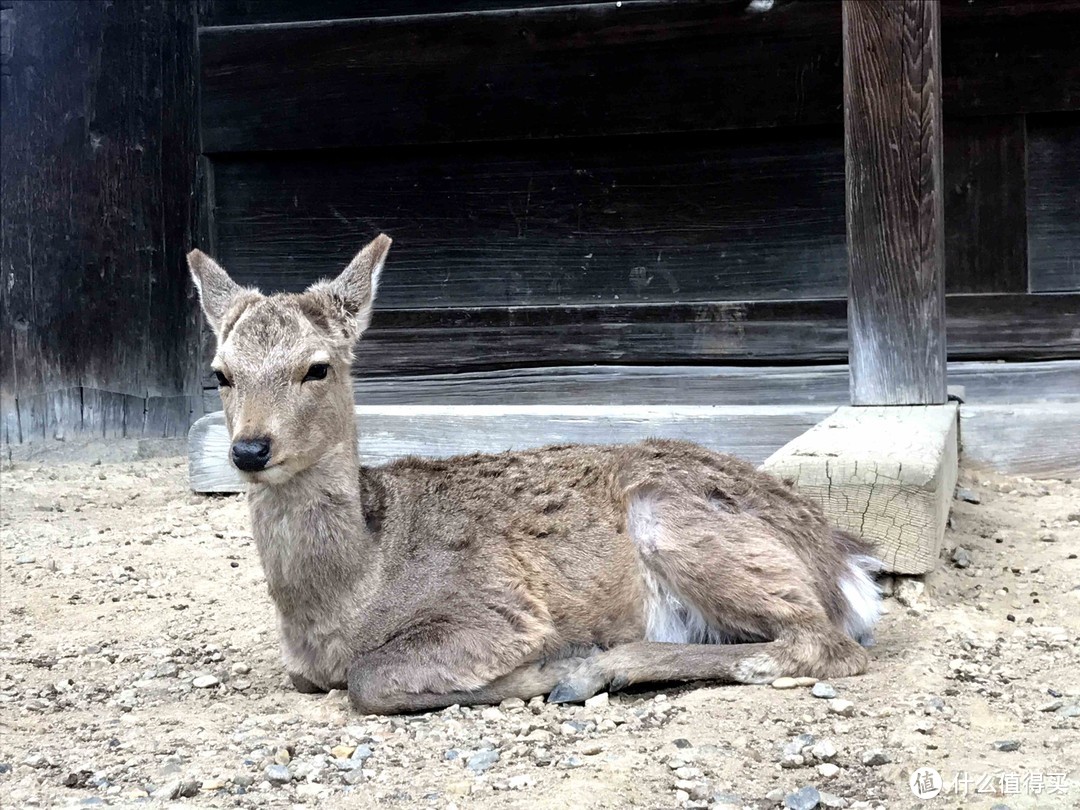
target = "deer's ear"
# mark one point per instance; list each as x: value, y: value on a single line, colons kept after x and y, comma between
x: 352, y: 294
x: 217, y: 291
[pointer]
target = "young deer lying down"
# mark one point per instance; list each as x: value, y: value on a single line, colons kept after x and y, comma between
x: 562, y: 571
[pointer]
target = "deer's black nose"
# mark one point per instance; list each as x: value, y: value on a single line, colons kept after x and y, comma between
x: 251, y: 455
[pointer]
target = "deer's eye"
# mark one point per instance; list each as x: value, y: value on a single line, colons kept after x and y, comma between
x: 222, y: 380
x: 317, y: 372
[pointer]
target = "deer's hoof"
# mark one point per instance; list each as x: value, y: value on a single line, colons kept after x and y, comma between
x: 578, y: 686
x: 304, y: 686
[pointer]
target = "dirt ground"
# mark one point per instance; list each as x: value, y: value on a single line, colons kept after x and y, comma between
x: 140, y: 666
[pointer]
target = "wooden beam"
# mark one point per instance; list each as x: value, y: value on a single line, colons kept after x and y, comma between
x: 885, y: 474
x: 981, y: 383
x: 895, y: 218
x: 389, y: 432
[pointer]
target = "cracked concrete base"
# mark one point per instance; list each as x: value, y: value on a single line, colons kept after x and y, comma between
x: 884, y: 473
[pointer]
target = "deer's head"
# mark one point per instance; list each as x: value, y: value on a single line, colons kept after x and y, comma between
x: 282, y: 362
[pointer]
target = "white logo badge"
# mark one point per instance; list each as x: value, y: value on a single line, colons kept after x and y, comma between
x: 925, y: 783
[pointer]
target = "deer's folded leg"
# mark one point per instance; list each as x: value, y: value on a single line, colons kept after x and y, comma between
x: 381, y: 686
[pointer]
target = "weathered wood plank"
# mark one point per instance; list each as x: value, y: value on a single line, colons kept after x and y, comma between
x: 981, y: 327
x: 98, y: 144
x: 985, y: 192
x: 1022, y: 439
x: 596, y: 69
x: 1017, y: 439
x: 507, y: 75
x: 886, y: 474
x: 260, y: 12
x: 442, y: 431
x: 981, y: 383
x: 1053, y: 201
x: 747, y: 216
x: 895, y: 220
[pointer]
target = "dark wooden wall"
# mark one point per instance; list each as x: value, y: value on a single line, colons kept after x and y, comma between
x: 99, y: 144
x: 658, y: 182
x: 579, y: 183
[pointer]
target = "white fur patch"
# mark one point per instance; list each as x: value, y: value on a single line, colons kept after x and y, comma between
x: 863, y: 597
x: 643, y: 521
x: 668, y: 617
x: 671, y: 620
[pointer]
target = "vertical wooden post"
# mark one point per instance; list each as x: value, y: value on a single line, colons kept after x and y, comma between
x: 893, y: 157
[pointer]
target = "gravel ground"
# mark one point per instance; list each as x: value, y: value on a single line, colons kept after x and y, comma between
x: 139, y: 666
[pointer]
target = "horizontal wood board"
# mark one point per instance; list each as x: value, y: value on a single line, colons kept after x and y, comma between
x: 1018, y: 439
x: 701, y: 217
x: 974, y: 382
x: 443, y: 431
x: 214, y: 13
x: 707, y: 217
x: 1010, y: 327
x: 598, y: 69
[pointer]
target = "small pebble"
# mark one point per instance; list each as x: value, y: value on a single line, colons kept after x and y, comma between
x: 823, y: 690
x: 961, y: 558
x: 805, y: 798
x: 277, y: 775
x: 205, y: 682
x: 784, y: 683
x: 482, y: 761
x: 968, y: 496
x: 844, y: 708
x: 1007, y: 745
x: 828, y: 770
x: 875, y: 757
x: 598, y: 701
x: 824, y: 751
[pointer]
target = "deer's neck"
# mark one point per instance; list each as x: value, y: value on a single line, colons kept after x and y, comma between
x: 311, y: 533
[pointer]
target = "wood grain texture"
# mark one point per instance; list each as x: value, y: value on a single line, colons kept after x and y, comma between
x: 260, y: 12
x: 705, y: 217
x: 590, y: 69
x: 985, y: 190
x: 895, y: 219
x: 1053, y: 201
x: 982, y: 383
x: 1021, y: 438
x: 393, y: 431
x: 1007, y: 327
x: 885, y: 474
x: 593, y: 69
x: 99, y: 142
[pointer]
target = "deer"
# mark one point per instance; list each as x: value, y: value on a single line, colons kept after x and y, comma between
x: 562, y: 571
